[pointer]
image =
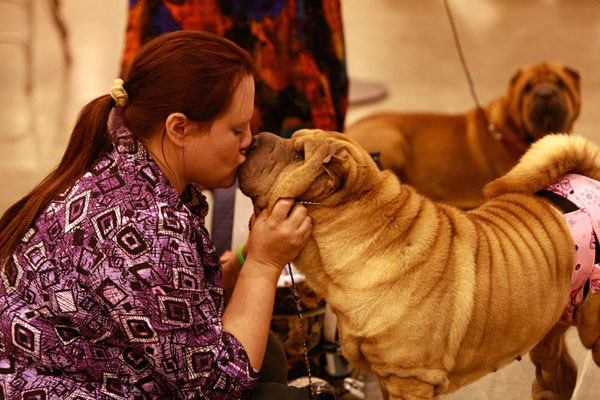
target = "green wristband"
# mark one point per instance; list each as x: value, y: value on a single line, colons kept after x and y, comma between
x: 241, y: 256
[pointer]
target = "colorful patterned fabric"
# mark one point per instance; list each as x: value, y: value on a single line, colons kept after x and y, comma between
x: 298, y: 45
x: 116, y: 293
x: 584, y: 225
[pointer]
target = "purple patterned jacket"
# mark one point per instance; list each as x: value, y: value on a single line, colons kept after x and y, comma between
x: 116, y: 293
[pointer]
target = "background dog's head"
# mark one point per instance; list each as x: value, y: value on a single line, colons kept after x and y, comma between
x: 313, y: 165
x: 544, y: 98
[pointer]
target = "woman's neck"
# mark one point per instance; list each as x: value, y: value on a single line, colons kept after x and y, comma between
x: 166, y: 159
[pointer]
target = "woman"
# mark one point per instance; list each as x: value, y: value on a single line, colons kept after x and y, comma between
x: 111, y: 288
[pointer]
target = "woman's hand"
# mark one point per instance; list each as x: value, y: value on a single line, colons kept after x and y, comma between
x: 277, y: 237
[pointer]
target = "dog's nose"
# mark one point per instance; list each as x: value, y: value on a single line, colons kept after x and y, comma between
x: 546, y: 92
x: 262, y: 139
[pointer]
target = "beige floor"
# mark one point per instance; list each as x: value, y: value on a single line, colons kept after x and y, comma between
x: 406, y: 45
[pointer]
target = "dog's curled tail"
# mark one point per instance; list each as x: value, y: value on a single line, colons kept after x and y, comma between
x: 546, y: 161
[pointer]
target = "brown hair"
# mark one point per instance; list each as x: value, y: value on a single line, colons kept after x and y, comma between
x: 192, y: 72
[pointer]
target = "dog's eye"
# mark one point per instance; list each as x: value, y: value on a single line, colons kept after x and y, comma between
x: 298, y: 156
x: 560, y: 83
x: 528, y: 87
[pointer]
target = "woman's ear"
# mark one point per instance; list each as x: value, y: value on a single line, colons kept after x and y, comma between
x: 175, y: 128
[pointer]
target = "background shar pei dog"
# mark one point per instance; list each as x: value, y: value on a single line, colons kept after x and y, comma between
x: 429, y: 297
x: 451, y: 157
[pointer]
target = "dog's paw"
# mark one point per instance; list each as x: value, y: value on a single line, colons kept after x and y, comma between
x: 556, y: 385
x: 540, y: 393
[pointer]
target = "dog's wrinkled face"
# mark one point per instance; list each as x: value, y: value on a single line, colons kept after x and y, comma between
x: 544, y: 98
x: 312, y: 165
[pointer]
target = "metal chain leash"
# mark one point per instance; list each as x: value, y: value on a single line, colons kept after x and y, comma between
x: 304, y: 347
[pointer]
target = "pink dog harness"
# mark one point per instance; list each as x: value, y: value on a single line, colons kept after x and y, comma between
x: 584, y: 225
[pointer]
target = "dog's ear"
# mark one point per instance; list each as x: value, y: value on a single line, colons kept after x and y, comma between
x: 515, y: 77
x: 336, y: 167
x: 574, y: 75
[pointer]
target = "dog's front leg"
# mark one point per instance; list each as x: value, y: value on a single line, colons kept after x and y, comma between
x: 555, y: 369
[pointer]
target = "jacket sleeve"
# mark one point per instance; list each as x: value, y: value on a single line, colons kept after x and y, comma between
x: 161, y: 280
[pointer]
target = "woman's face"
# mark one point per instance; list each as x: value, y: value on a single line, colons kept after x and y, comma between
x: 212, y: 157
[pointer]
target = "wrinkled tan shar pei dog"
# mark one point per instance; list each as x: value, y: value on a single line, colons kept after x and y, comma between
x: 540, y: 99
x: 429, y: 297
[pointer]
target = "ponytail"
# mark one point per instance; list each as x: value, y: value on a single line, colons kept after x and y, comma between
x: 88, y: 139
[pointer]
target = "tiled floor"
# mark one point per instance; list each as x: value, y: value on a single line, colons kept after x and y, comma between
x: 405, y: 44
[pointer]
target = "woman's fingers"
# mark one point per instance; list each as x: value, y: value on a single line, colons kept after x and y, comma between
x: 279, y: 235
x: 281, y: 209
x: 306, y: 229
x: 298, y: 214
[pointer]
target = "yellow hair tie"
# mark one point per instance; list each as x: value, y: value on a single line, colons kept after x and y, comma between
x: 118, y: 93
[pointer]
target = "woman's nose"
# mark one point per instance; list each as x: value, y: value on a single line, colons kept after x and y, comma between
x: 246, y: 139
